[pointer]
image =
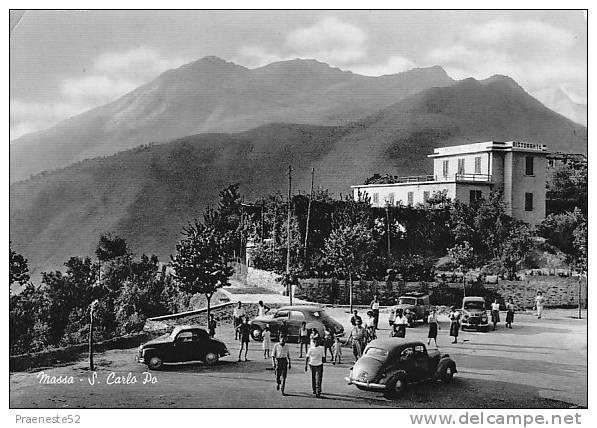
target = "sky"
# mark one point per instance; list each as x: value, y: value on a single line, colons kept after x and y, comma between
x: 65, y: 62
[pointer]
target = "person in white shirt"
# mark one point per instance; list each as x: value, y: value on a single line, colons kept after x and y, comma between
x: 495, y: 313
x: 401, y: 321
x: 281, y: 359
x: 539, y: 301
x: 375, y: 309
x: 238, y: 314
x: 263, y: 310
x: 314, y: 360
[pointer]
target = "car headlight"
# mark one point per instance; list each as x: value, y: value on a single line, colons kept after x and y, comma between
x: 484, y: 317
x: 407, y: 311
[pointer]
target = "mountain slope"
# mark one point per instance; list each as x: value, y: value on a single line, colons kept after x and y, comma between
x: 147, y: 194
x: 559, y: 101
x: 212, y: 95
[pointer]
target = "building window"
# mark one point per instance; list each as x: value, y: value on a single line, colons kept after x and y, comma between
x: 460, y: 166
x: 425, y: 196
x: 445, y: 168
x: 528, y: 202
x: 529, y: 170
x: 410, y: 197
x: 477, y: 164
x: 475, y: 196
x: 375, y: 198
x: 390, y: 199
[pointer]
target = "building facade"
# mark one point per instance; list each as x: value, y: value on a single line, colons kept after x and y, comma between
x: 471, y: 171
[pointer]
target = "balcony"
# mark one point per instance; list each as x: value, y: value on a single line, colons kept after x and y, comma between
x: 472, y: 177
x: 388, y: 179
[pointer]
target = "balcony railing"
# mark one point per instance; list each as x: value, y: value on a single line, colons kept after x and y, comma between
x: 472, y: 177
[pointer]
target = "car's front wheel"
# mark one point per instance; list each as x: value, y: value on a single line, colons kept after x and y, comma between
x: 155, y: 363
x: 211, y: 358
x: 395, y: 387
x: 256, y: 334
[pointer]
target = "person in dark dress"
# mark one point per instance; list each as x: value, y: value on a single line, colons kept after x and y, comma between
x: 454, y: 323
x: 510, y: 314
x: 433, y: 327
x: 212, y: 326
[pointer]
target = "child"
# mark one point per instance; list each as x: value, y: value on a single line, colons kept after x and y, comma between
x: 267, y: 342
x: 314, y: 337
x: 337, y: 351
x: 303, y: 338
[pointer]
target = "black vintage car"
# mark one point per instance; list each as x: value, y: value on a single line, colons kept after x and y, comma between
x: 294, y: 316
x: 388, y: 365
x: 185, y: 343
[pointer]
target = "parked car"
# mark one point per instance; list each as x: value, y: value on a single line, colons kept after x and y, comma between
x: 388, y: 365
x: 314, y: 316
x: 185, y: 343
x: 474, y: 314
x: 415, y: 306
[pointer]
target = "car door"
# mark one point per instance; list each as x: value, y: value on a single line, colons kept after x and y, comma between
x: 200, y: 345
x: 295, y: 319
x: 421, y: 363
x: 405, y: 361
x: 183, y: 346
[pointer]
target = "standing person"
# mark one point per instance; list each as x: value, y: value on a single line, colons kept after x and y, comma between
x: 539, y: 302
x: 433, y: 327
x: 370, y: 326
x: 495, y: 313
x: 281, y: 359
x: 510, y: 314
x: 314, y: 337
x: 303, y: 338
x: 212, y: 326
x: 284, y: 331
x: 454, y: 317
x: 263, y: 310
x: 357, y: 336
x: 244, y: 332
x: 394, y: 332
x: 267, y: 342
x: 337, y: 351
x: 375, y: 308
x: 328, y: 343
x: 238, y: 314
x: 355, y: 317
x: 401, y: 321
x: 314, y: 359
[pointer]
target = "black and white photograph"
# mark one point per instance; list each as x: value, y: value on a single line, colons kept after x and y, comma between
x: 298, y: 209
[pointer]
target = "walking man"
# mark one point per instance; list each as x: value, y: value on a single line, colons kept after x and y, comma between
x: 375, y: 309
x: 281, y: 359
x: 238, y: 313
x: 355, y: 317
x: 357, y: 336
x: 212, y: 326
x: 315, y: 361
x: 244, y: 332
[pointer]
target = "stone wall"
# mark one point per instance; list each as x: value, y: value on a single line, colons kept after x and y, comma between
x: 253, y: 277
x: 558, y: 291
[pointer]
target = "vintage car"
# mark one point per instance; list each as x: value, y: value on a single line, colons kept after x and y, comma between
x: 294, y: 316
x: 415, y: 306
x: 388, y: 365
x: 184, y: 344
x: 474, y: 314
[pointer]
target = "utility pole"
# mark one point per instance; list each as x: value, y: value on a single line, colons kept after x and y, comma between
x: 262, y: 220
x: 308, y: 215
x: 91, y: 309
x: 288, y: 234
x: 388, y: 231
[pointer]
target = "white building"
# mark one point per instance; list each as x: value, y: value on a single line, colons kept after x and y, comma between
x: 471, y: 171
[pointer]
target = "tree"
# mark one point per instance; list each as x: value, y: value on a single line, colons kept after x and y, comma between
x: 515, y: 248
x: 559, y: 229
x: 201, y: 261
x: 348, y: 251
x: 19, y: 269
x: 111, y: 247
x: 463, y: 257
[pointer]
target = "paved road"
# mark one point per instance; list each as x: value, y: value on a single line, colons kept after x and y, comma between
x: 539, y: 363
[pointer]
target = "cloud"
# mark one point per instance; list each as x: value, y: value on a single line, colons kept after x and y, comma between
x: 111, y: 75
x: 533, y: 53
x: 329, y: 40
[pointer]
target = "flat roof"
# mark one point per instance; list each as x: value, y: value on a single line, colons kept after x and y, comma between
x: 489, y: 146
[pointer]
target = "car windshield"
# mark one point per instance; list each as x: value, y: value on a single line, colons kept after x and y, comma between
x: 377, y: 353
x: 407, y: 301
x: 474, y: 305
